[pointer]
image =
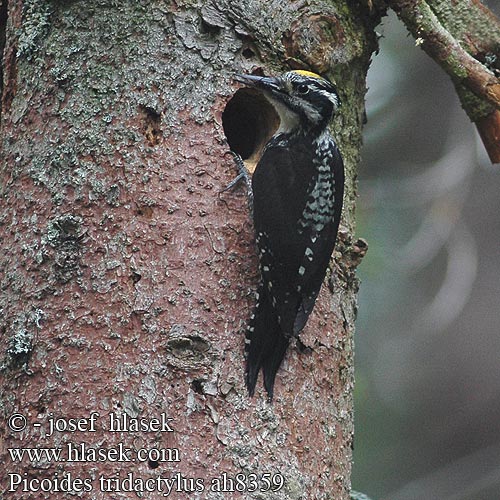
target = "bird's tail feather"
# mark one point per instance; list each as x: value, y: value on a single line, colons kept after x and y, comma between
x: 266, y: 345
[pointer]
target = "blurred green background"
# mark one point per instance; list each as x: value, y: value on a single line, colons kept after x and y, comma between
x: 427, y: 394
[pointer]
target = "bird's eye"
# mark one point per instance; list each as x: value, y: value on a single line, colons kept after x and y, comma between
x: 302, y: 89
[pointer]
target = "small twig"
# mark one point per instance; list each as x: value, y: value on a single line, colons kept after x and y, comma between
x: 489, y: 130
x: 478, y: 87
x: 447, y: 51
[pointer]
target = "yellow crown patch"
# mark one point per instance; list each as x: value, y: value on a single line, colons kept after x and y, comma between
x: 307, y: 73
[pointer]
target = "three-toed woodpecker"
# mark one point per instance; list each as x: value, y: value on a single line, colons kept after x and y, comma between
x: 297, y: 189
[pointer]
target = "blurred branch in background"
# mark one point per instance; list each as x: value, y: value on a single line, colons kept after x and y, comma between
x: 463, y: 479
x: 456, y: 288
x: 428, y: 375
x: 463, y: 37
x: 430, y: 182
x: 438, y: 191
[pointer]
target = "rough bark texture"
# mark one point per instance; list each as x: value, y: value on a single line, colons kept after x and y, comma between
x: 127, y: 280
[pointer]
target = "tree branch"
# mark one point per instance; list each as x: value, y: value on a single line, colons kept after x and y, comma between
x: 464, y: 39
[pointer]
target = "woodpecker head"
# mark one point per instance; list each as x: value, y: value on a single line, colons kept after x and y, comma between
x: 303, y: 100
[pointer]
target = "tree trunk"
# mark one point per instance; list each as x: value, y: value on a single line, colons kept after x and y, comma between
x: 127, y: 279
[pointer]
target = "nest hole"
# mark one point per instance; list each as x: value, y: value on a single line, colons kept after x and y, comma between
x: 249, y: 121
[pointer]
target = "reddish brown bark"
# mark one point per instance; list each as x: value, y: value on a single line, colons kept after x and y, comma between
x: 127, y: 278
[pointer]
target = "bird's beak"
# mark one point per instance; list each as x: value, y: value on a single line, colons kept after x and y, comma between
x: 259, y: 82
